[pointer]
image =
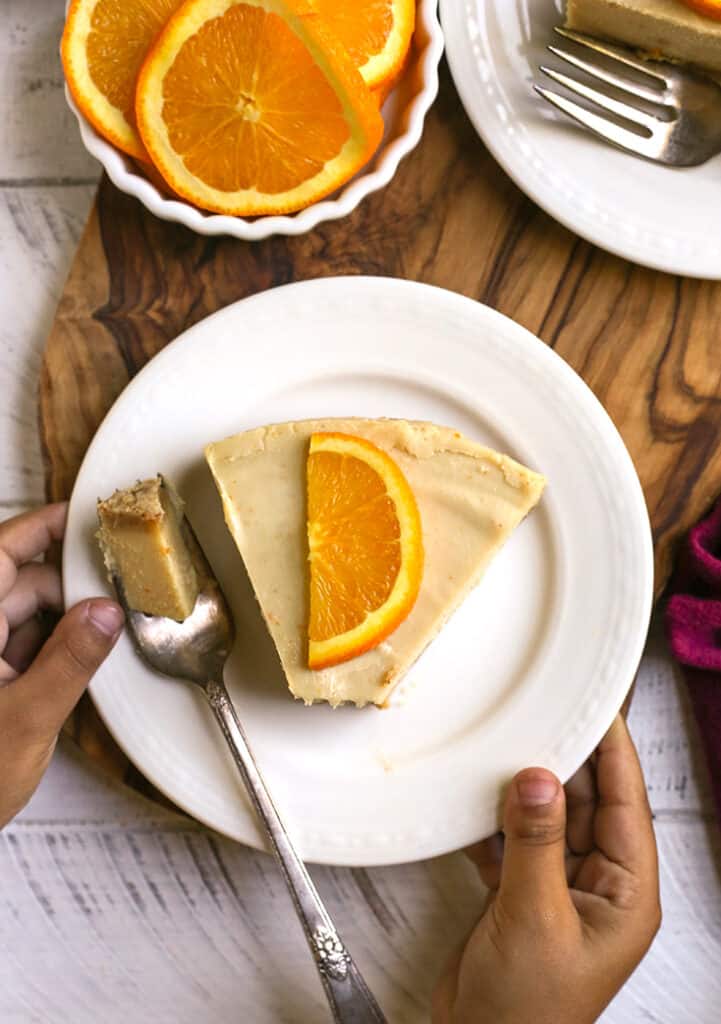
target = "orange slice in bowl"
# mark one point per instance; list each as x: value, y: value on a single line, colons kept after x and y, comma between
x: 376, y: 34
x: 251, y: 107
x: 104, y: 45
x: 365, y: 548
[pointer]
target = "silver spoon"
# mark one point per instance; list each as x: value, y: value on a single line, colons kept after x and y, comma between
x: 196, y: 651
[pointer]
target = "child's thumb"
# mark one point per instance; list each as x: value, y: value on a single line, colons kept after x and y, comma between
x: 48, y: 691
x: 533, y: 877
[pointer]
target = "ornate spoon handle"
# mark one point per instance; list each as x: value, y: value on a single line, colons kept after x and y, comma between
x: 350, y: 998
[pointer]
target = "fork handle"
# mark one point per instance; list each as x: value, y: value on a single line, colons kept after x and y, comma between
x: 349, y: 997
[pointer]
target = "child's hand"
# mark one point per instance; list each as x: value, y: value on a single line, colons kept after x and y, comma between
x: 36, y: 696
x: 573, y: 903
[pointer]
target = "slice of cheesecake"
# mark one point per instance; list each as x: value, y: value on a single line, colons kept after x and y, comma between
x: 661, y: 28
x: 470, y: 500
x: 141, y: 538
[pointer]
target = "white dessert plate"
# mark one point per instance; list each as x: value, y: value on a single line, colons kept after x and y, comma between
x: 531, y: 670
x: 661, y: 217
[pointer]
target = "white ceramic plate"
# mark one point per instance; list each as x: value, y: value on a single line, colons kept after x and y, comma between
x: 404, y: 114
x: 661, y: 217
x: 531, y: 670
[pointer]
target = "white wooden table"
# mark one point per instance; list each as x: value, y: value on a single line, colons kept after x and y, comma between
x: 114, y: 910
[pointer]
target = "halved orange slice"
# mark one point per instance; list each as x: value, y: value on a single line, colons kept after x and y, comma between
x: 253, y: 107
x: 104, y: 45
x: 376, y: 34
x: 709, y: 8
x: 365, y: 547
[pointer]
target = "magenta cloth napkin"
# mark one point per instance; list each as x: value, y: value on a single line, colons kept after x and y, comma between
x: 693, y: 625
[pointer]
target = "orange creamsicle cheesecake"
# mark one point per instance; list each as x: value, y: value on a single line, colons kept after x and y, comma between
x: 469, y: 498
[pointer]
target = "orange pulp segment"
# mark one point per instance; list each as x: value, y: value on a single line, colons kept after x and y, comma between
x: 104, y: 45
x: 253, y: 108
x: 375, y: 33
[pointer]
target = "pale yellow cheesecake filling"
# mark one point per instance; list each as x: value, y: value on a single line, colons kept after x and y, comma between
x: 661, y: 28
x: 470, y: 500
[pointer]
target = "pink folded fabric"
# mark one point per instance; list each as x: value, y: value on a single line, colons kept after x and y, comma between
x: 693, y: 626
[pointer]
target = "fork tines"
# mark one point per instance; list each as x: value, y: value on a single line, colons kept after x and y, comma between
x: 650, y: 136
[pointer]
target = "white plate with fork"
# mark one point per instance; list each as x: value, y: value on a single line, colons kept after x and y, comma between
x: 660, y: 217
x: 531, y: 670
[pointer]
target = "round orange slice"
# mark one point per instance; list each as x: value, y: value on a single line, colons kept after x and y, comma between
x: 709, y: 8
x: 253, y: 107
x: 376, y: 34
x: 365, y: 548
x: 104, y: 45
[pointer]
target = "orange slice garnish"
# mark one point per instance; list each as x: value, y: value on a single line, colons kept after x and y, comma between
x: 104, y: 45
x: 247, y: 110
x: 375, y: 33
x: 365, y: 547
x: 710, y: 8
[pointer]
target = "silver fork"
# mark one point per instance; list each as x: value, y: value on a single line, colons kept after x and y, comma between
x: 689, y: 135
x: 196, y: 651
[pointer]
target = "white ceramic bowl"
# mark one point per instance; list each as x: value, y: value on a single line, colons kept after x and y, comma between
x: 404, y: 114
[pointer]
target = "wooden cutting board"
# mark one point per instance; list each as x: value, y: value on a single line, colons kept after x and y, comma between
x: 646, y: 343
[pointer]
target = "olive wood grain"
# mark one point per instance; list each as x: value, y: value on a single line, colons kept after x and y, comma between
x: 645, y: 342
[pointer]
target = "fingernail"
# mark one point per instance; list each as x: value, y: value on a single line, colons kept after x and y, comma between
x: 537, y: 790
x: 106, y: 616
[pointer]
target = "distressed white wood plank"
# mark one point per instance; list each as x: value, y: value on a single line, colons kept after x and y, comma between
x: 39, y: 138
x: 184, y: 926
x: 180, y: 925
x: 8, y: 509
x: 39, y: 230
x: 665, y: 733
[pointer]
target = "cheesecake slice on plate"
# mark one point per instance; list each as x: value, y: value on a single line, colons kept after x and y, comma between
x: 659, y: 28
x: 470, y: 500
